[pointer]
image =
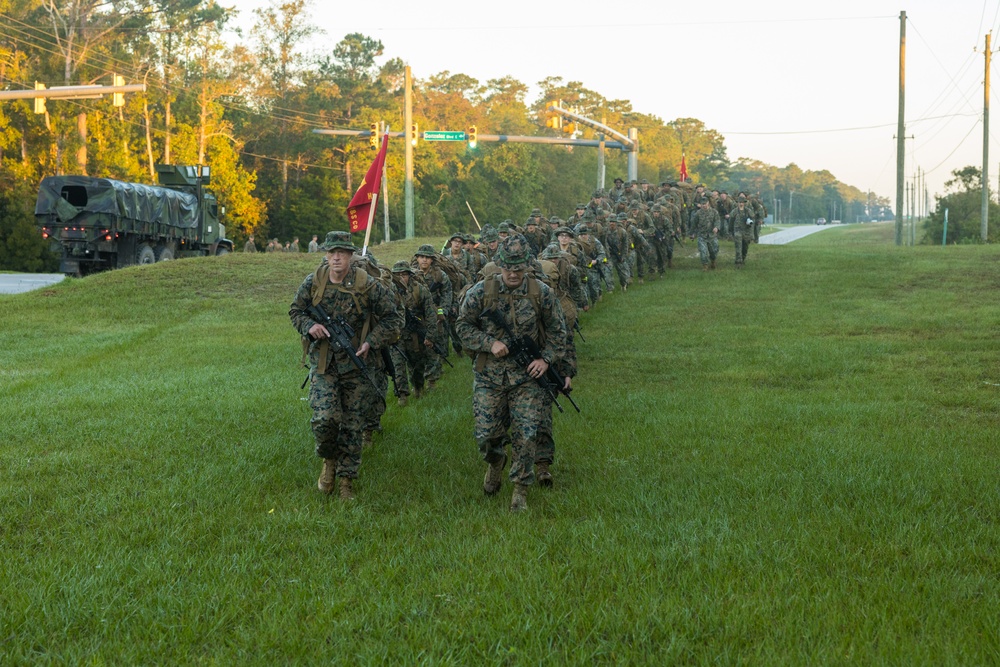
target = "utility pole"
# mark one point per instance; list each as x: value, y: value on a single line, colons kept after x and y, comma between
x: 986, y: 145
x: 408, y: 152
x: 901, y: 130
x: 633, y: 155
x: 600, y: 162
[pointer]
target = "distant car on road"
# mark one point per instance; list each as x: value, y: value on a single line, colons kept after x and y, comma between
x: 820, y: 221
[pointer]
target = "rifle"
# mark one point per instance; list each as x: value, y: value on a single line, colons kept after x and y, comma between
x: 576, y: 328
x: 415, y: 325
x: 524, y: 350
x: 341, y: 334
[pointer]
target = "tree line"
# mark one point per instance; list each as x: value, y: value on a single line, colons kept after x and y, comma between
x: 247, y: 107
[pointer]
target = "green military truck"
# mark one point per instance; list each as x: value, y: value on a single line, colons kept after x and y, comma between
x: 97, y: 224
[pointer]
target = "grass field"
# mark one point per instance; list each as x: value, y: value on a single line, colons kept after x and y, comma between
x: 791, y: 464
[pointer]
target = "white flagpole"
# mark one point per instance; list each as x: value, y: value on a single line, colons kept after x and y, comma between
x: 371, y: 210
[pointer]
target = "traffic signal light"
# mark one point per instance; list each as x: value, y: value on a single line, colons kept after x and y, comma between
x: 118, y: 99
x: 552, y: 118
x: 569, y: 128
x: 473, y: 136
x: 414, y: 134
x: 39, y: 101
x: 373, y: 139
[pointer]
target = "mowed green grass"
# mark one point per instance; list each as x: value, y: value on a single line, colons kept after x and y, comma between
x: 791, y: 464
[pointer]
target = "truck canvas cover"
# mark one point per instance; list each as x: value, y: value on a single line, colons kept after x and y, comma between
x: 67, y: 196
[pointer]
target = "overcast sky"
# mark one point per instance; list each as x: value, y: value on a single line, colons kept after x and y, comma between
x: 813, y: 71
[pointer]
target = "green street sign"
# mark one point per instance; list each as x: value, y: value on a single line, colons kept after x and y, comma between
x: 435, y: 135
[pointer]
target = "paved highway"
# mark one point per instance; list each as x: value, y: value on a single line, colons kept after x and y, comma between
x: 15, y: 283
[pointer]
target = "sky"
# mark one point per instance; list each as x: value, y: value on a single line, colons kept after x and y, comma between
x: 815, y: 84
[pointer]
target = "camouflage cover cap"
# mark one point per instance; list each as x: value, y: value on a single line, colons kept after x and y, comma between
x: 512, y: 254
x: 644, y: 182
x: 555, y: 220
x: 741, y: 198
x: 426, y: 250
x: 702, y: 200
x: 621, y: 217
x: 536, y: 213
x: 456, y: 235
x: 619, y: 180
x: 551, y: 251
x: 466, y: 238
x: 531, y: 222
x: 581, y: 206
x: 504, y: 226
x: 489, y: 235
x: 339, y: 241
x: 597, y: 194
x: 565, y: 230
x: 402, y: 266
x: 582, y: 229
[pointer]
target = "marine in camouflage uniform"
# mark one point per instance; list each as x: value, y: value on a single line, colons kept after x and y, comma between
x: 617, y: 248
x: 742, y: 218
x: 411, y: 353
x: 338, y: 390
x: 592, y: 252
x: 759, y: 213
x: 661, y: 239
x: 537, y: 237
x: 440, y: 287
x: 564, y: 279
x: 706, y: 226
x: 380, y: 362
x: 506, y: 395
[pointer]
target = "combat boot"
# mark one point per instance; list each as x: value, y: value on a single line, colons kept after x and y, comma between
x: 417, y: 393
x: 543, y: 475
x: 670, y: 262
x: 402, y: 401
x: 704, y: 267
x: 494, y: 475
x: 519, y: 501
x: 430, y: 385
x: 326, y: 477
x: 713, y: 264
x: 366, y: 438
x: 346, y: 489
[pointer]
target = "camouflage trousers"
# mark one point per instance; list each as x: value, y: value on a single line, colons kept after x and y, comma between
x: 593, y: 284
x: 633, y: 263
x: 433, y: 369
x: 339, y: 412
x: 608, y: 275
x: 660, y: 255
x: 742, y: 239
x: 375, y: 406
x: 409, y: 362
x: 624, y: 274
x: 522, y: 408
x: 708, y: 248
x: 756, y: 231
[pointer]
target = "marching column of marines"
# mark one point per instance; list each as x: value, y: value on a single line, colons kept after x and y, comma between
x: 510, y: 303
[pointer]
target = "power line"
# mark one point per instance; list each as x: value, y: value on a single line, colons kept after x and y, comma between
x: 947, y: 157
x: 842, y: 129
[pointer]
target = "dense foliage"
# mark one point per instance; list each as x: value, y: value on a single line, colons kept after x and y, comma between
x: 963, y: 204
x: 248, y: 106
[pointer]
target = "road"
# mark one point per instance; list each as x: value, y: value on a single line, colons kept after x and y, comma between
x: 15, y: 283
x: 791, y: 234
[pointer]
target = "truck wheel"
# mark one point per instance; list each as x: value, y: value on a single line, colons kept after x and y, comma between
x: 145, y: 255
x: 164, y: 254
x: 221, y: 250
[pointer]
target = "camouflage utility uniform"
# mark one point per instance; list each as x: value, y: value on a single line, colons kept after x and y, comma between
x: 504, y: 395
x: 338, y: 389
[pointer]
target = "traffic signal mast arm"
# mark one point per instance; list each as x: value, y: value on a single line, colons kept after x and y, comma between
x: 593, y: 124
x: 71, y: 92
x: 498, y: 138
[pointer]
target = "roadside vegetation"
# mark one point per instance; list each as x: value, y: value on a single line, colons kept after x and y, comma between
x: 791, y: 464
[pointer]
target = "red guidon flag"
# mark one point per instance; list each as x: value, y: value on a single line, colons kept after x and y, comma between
x: 684, y: 168
x: 359, y: 211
